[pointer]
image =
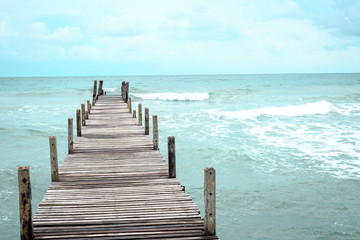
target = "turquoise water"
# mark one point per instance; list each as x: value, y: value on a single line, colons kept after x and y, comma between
x: 286, y: 148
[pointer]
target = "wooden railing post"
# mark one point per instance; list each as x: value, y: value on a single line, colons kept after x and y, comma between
x: 171, y: 157
x: 86, y: 115
x: 95, y: 88
x: 78, y: 123
x: 54, y: 159
x: 100, y: 92
x: 88, y: 106
x: 26, y: 226
x: 210, y: 201
x: 134, y: 113
x: 70, y: 136
x: 123, y: 91
x: 83, y: 114
x: 129, y: 105
x: 126, y: 91
x: 146, y: 121
x: 140, y: 114
x: 155, y: 133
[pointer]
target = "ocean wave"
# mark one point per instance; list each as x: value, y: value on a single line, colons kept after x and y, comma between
x: 174, y: 96
x: 321, y: 107
x: 109, y: 89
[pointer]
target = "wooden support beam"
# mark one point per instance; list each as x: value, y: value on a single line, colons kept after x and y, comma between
x: 155, y: 133
x: 78, y: 123
x: 95, y: 88
x: 54, y: 159
x: 140, y: 114
x: 70, y: 136
x: 83, y: 114
x: 171, y: 157
x: 86, y: 115
x: 88, y: 106
x: 26, y: 226
x: 210, y: 201
x: 134, y: 113
x: 100, y: 92
x: 146, y: 121
x: 123, y: 91
x: 129, y: 105
x: 126, y: 91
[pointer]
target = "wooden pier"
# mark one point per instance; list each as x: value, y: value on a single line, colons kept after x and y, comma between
x: 114, y: 184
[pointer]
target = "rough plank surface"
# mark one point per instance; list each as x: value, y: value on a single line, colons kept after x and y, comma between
x: 116, y: 186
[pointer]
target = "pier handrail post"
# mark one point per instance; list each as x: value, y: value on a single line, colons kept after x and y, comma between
x: 88, y: 106
x: 146, y: 121
x: 95, y: 88
x: 140, y: 114
x: 26, y: 226
x: 129, y: 104
x: 83, y: 114
x: 78, y: 123
x: 123, y: 91
x: 134, y: 113
x: 210, y: 201
x: 171, y: 157
x: 70, y: 136
x: 155, y: 133
x: 100, y: 92
x: 54, y: 159
x: 126, y: 92
x: 86, y: 115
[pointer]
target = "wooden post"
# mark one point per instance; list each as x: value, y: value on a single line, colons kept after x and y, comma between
x: 70, y: 136
x: 100, y: 92
x: 88, y: 106
x: 86, y: 115
x: 171, y: 157
x: 155, y: 133
x: 146, y: 121
x: 54, y: 159
x: 95, y: 88
x: 134, y: 113
x: 78, y: 123
x: 129, y: 104
x: 210, y: 201
x: 83, y: 114
x: 26, y: 227
x: 126, y: 91
x: 140, y: 114
x: 123, y: 91
x: 93, y: 102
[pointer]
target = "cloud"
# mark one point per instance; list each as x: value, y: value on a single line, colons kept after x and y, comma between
x: 39, y: 32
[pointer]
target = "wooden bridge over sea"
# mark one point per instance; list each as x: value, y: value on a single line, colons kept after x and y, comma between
x: 114, y: 183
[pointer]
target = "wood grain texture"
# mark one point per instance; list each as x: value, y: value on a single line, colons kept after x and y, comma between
x: 116, y: 186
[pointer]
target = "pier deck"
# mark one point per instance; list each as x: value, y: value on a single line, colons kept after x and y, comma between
x: 115, y: 186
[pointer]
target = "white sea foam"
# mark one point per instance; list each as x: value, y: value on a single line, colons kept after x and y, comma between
x: 322, y: 107
x: 109, y: 89
x: 174, y: 96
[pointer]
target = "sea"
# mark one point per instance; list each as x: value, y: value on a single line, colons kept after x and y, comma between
x: 286, y: 147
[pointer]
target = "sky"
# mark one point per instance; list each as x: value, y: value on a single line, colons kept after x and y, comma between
x: 169, y: 37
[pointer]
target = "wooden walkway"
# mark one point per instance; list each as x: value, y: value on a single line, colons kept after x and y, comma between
x: 115, y: 186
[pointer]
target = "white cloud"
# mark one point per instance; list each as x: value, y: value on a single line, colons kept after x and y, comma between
x: 38, y: 31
